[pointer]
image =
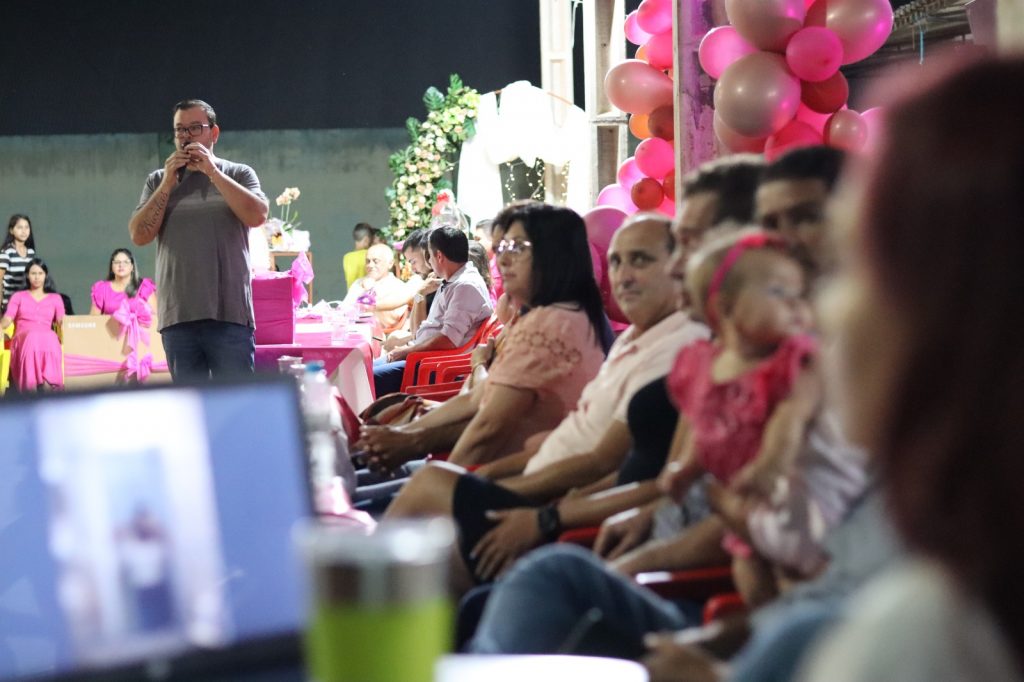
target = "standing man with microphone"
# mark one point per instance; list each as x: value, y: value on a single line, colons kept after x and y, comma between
x: 199, y: 209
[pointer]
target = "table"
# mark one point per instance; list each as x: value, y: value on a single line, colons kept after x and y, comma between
x: 348, y: 363
x: 472, y: 668
x: 293, y: 254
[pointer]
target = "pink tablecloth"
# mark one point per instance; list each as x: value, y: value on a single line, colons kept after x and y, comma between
x: 348, y: 362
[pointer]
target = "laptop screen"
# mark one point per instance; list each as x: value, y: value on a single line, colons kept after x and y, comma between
x: 140, y: 524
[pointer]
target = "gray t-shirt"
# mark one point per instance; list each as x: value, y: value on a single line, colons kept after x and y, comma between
x: 202, y: 255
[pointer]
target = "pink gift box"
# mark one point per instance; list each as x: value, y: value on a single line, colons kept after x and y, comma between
x: 273, y: 308
x: 313, y: 334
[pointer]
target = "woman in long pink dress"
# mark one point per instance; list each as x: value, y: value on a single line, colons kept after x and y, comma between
x: 35, y: 350
x: 122, y: 283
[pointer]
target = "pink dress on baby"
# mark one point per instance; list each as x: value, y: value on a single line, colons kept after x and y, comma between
x: 729, y: 418
x: 108, y: 301
x: 35, y: 349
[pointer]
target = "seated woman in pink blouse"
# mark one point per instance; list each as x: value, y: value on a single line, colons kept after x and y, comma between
x: 36, y: 359
x: 122, y: 283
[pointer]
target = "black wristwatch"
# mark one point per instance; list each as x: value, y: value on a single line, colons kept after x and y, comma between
x: 549, y: 522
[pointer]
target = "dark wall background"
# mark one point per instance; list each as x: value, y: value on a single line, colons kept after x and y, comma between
x: 105, y: 66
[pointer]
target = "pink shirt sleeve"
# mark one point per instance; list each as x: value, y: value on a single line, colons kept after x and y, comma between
x: 98, y: 293
x: 12, y: 306
x: 58, y: 307
x: 146, y: 289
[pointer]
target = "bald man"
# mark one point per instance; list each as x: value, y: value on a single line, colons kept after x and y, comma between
x: 391, y: 295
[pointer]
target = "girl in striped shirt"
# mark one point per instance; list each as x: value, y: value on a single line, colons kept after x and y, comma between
x: 19, y: 247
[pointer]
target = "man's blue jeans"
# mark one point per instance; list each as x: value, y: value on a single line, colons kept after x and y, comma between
x: 205, y: 349
x: 561, y: 598
x: 387, y: 376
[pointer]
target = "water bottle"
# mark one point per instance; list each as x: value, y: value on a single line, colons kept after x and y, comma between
x: 316, y: 397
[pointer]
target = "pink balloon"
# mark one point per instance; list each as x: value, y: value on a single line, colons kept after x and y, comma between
x: 812, y: 118
x: 655, y: 157
x: 873, y: 119
x: 735, y: 142
x: 767, y: 24
x: 654, y: 16
x: 659, y: 50
x: 795, y: 134
x: 757, y: 95
x: 597, y: 259
x: 828, y: 96
x: 814, y: 53
x: 634, y: 33
x: 720, y: 47
x: 629, y: 174
x: 846, y: 130
x: 667, y: 207
x: 602, y: 222
x: 617, y: 197
x: 862, y: 25
x: 637, y: 87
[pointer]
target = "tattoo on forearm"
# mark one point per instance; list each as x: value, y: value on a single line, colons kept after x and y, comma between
x: 155, y: 214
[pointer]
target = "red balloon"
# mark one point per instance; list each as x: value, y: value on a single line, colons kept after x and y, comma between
x: 846, y: 130
x: 654, y: 16
x: 757, y: 95
x: 795, y: 134
x: 669, y: 185
x: 825, y: 97
x: 862, y: 25
x: 814, y: 53
x: 735, y: 142
x: 659, y: 50
x: 637, y: 87
x: 661, y: 123
x: 647, y: 194
x: 767, y: 24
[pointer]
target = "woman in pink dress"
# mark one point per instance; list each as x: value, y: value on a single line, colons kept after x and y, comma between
x: 122, y: 283
x: 35, y: 349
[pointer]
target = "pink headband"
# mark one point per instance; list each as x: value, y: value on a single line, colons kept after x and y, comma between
x: 758, y: 240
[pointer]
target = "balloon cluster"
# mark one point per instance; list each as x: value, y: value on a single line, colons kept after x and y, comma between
x: 777, y: 66
x: 642, y: 87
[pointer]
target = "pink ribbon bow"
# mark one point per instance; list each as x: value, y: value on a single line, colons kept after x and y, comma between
x: 135, y: 317
x: 302, y: 272
x: 138, y: 367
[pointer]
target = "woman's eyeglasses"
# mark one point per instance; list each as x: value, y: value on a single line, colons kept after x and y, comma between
x: 512, y: 247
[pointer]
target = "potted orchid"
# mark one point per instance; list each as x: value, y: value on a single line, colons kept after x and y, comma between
x: 281, y: 230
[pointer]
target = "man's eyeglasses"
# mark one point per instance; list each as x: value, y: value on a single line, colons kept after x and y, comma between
x: 193, y: 130
x: 512, y: 247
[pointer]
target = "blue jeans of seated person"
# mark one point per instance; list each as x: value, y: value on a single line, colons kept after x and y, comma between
x: 205, y: 349
x: 561, y: 598
x: 387, y: 376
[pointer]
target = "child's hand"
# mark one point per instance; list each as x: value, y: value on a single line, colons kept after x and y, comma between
x: 756, y: 480
x: 732, y: 508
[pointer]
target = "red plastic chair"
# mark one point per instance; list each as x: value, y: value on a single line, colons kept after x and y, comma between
x: 698, y: 584
x: 410, y: 376
x: 723, y: 606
